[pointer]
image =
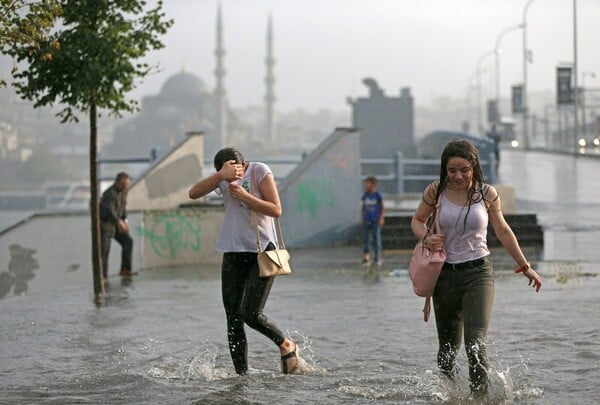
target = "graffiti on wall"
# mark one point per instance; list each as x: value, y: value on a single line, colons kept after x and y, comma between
x: 171, y: 233
x: 313, y: 195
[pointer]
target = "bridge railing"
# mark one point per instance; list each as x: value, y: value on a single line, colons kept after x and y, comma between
x: 399, y: 170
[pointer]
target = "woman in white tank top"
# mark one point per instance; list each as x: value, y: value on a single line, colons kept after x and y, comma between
x: 244, y: 292
x: 464, y: 292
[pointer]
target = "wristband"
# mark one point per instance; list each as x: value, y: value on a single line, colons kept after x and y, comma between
x: 523, y: 268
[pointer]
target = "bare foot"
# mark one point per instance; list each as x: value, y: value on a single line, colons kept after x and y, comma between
x: 289, y: 356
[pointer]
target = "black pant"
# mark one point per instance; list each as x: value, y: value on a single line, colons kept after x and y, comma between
x: 126, y: 243
x: 463, y: 299
x: 244, y: 297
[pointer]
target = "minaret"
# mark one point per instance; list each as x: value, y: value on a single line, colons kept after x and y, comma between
x: 220, y: 93
x: 270, y: 84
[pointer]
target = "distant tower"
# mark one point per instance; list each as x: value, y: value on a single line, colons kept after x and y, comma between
x: 270, y: 83
x: 220, y: 92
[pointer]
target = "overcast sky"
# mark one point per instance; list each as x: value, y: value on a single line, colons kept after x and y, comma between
x: 324, y: 48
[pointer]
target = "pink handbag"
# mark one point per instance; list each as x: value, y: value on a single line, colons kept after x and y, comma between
x: 425, y: 267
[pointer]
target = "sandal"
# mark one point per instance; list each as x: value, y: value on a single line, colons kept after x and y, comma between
x: 286, y: 357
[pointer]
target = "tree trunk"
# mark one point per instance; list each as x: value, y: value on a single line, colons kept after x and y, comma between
x: 94, y: 206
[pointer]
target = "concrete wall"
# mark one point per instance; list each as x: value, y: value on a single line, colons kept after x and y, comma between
x: 183, y: 236
x: 320, y: 199
x: 62, y: 244
x: 321, y: 196
x: 165, y: 185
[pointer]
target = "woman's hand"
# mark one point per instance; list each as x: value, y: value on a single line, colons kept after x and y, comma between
x: 435, y: 242
x: 238, y: 192
x: 534, y: 279
x: 232, y: 171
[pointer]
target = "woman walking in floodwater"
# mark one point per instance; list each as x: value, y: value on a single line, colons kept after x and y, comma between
x: 244, y: 292
x: 464, y: 292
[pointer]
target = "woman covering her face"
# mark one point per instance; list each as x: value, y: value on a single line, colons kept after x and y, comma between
x: 246, y: 187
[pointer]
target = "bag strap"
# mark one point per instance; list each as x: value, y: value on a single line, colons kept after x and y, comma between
x: 438, y: 207
x: 436, y: 223
x: 254, y: 220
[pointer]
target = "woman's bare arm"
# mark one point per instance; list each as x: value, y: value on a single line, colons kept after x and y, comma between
x: 230, y: 171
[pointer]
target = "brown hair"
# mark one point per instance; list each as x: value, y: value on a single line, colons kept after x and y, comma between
x: 371, y: 179
x: 466, y: 150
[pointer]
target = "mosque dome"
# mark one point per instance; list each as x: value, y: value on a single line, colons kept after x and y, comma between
x: 184, y: 84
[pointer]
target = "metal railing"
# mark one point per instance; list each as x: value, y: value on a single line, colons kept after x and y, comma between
x: 401, y: 177
x: 399, y: 173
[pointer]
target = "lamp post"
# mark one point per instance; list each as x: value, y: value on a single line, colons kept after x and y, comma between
x: 479, y: 71
x: 575, y: 74
x: 468, y: 98
x: 583, y: 101
x: 525, y: 62
x: 497, y: 53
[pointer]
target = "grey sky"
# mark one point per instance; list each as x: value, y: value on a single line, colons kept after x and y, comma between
x: 323, y: 48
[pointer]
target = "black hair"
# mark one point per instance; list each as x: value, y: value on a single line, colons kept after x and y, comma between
x: 120, y: 176
x: 227, y: 154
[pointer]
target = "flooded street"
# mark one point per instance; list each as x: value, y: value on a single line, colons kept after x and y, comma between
x: 161, y: 338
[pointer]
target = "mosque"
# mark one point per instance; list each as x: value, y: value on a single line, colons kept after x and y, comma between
x: 186, y: 104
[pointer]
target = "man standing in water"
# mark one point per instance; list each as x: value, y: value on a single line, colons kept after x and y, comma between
x: 113, y: 218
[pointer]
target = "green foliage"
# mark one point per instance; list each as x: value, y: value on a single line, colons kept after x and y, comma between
x: 40, y: 168
x: 26, y: 22
x: 91, y: 56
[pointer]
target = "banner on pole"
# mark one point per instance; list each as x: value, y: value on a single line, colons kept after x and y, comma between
x: 564, y: 89
x: 493, y: 116
x: 517, y: 99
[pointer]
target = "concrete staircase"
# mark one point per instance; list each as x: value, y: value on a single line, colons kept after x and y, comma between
x: 396, y: 233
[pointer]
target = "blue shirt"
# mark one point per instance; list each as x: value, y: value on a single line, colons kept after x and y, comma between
x: 372, y: 204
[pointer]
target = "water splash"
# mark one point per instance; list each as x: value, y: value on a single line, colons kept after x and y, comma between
x: 307, y: 360
x: 201, y: 367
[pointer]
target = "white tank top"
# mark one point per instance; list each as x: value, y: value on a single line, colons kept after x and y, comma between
x: 237, y: 234
x: 464, y: 243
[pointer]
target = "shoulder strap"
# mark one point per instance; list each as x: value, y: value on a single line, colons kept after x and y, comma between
x: 435, y: 224
x: 438, y: 209
x: 254, y: 219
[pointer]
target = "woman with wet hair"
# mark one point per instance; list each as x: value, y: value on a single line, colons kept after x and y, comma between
x: 464, y: 292
x: 244, y: 292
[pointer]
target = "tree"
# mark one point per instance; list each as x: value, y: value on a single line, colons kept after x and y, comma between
x: 26, y: 22
x: 90, y: 61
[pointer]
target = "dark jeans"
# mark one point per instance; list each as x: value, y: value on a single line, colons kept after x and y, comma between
x: 126, y: 243
x: 463, y: 299
x: 372, y: 236
x: 244, y: 297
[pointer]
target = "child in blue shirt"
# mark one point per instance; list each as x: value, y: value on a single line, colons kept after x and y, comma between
x: 372, y: 219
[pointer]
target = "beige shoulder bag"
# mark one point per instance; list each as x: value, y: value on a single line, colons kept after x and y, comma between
x: 270, y: 262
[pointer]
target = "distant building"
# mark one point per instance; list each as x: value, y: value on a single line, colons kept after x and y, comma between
x: 386, y: 124
x: 184, y: 104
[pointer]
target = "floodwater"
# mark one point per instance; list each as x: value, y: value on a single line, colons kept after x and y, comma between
x: 161, y: 337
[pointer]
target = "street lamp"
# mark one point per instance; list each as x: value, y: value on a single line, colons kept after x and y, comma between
x: 583, y: 101
x: 526, y: 60
x: 575, y: 74
x: 479, y: 71
x: 497, y: 53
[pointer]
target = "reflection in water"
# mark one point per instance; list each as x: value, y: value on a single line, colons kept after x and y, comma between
x: 20, y: 270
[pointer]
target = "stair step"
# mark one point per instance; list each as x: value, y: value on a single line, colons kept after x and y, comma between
x: 397, y: 233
